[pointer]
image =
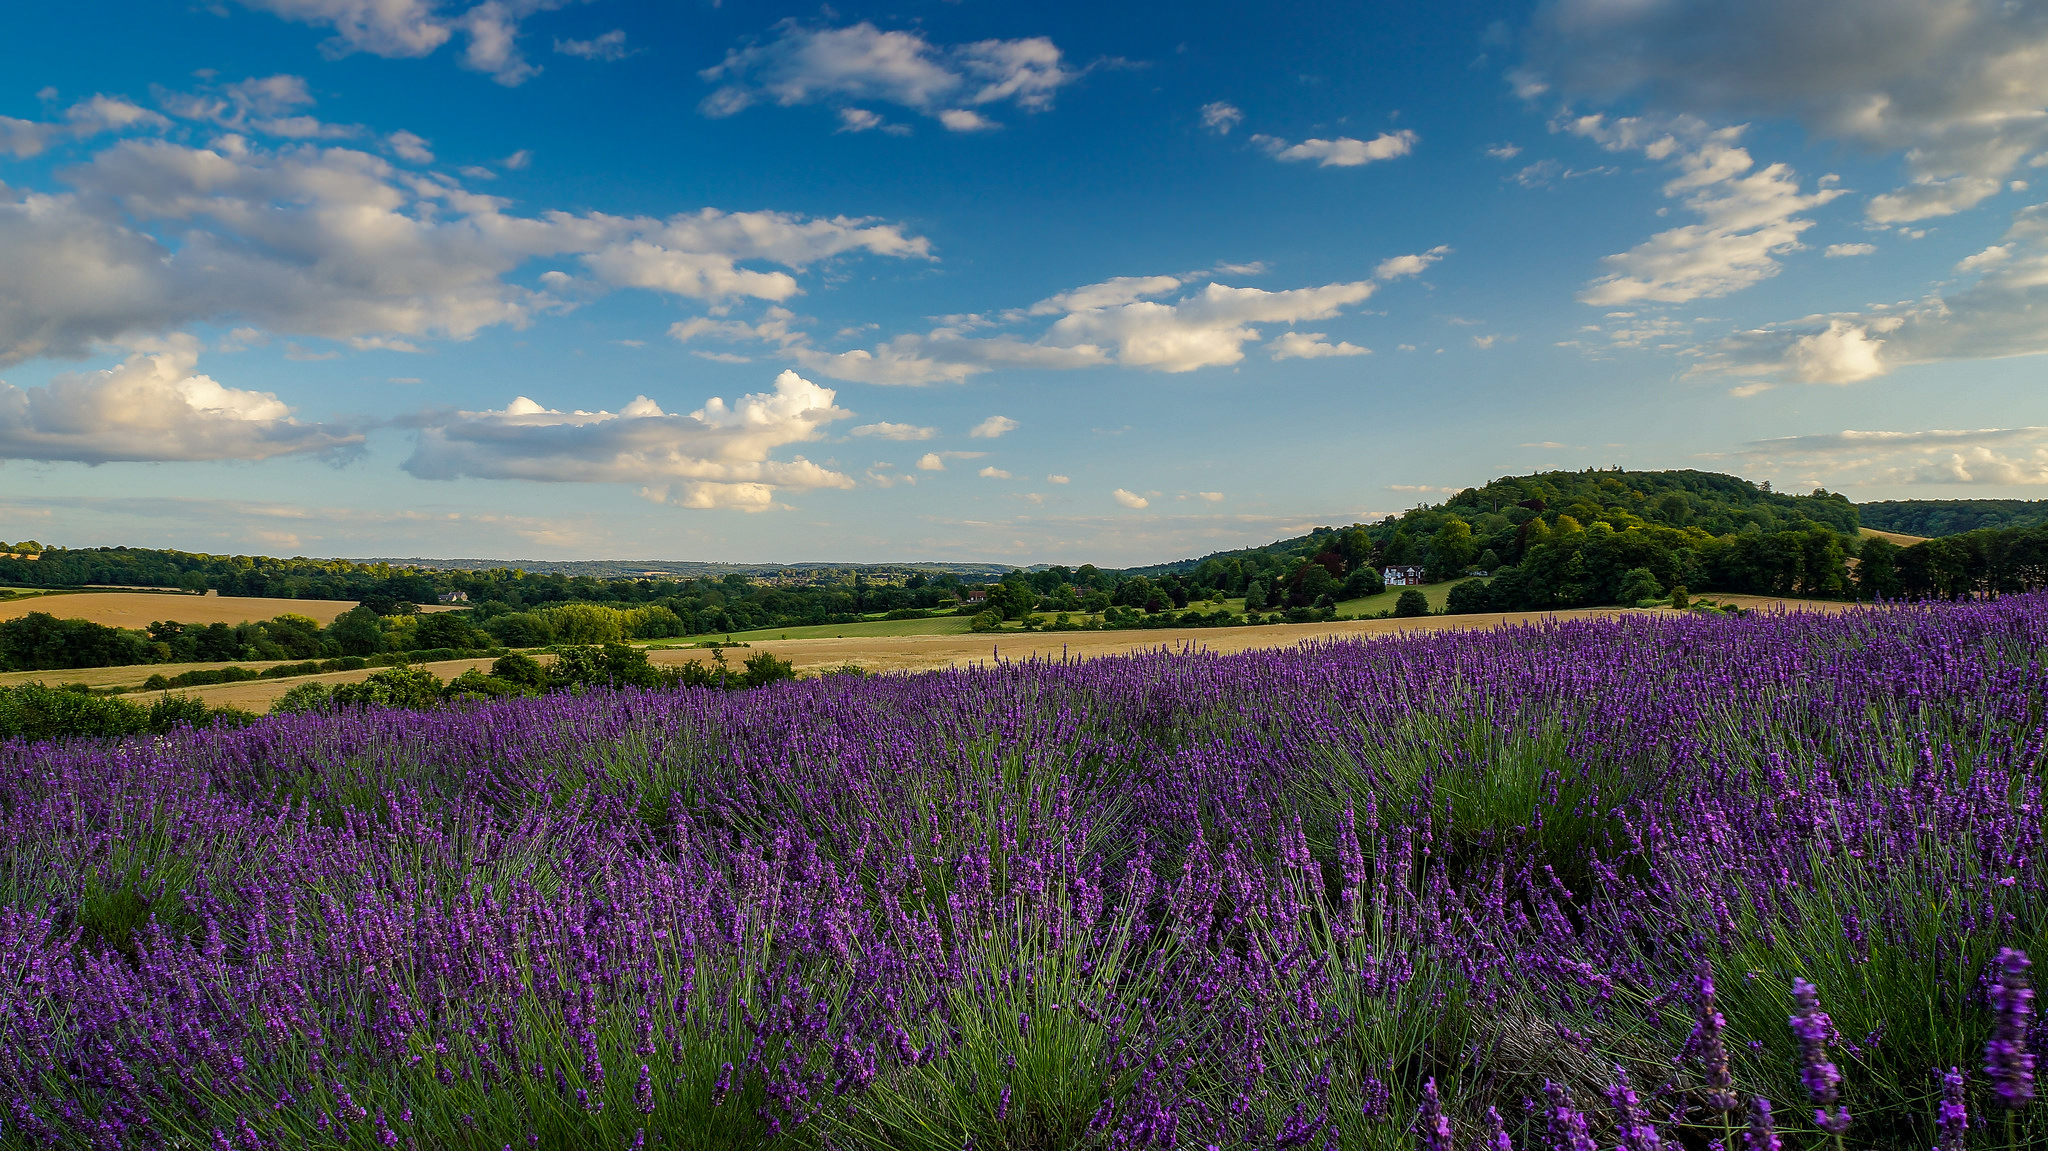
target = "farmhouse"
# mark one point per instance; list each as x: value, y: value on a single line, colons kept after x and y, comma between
x: 453, y: 597
x: 1402, y: 575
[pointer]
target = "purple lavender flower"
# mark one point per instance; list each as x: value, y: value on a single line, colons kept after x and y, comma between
x: 1497, y: 1132
x: 643, y: 1093
x: 1762, y: 1132
x: 1952, y: 1117
x: 1003, y: 1104
x: 723, y: 1087
x: 1567, y: 1126
x: 1709, y: 1037
x: 2007, y: 1062
x: 1823, y: 1080
x: 1431, y: 1121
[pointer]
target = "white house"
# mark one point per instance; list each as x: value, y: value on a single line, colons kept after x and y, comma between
x: 1402, y: 575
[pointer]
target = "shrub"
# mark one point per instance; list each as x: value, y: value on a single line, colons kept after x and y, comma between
x: 1412, y: 603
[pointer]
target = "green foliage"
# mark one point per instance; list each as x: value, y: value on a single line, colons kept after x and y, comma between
x: 986, y: 621
x: 357, y: 631
x: 1951, y: 517
x: 302, y: 698
x: 523, y: 670
x: 403, y: 686
x: 33, y: 711
x: 1412, y: 603
x: 1638, y: 587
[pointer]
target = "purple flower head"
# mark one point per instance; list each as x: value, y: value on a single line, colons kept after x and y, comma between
x: 1823, y: 1080
x: 1952, y: 1117
x: 2007, y: 1062
x: 1567, y: 1126
x: 1709, y: 1035
x: 1497, y: 1132
x: 1431, y: 1122
x: 1762, y: 1132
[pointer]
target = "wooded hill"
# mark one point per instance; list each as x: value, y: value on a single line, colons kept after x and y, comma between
x: 1951, y: 517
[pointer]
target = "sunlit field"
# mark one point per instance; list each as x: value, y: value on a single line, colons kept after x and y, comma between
x: 1645, y: 881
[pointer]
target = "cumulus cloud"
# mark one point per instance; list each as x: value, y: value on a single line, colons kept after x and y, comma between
x: 1342, y: 152
x: 1996, y: 315
x: 1956, y: 86
x: 1748, y: 216
x: 1838, y: 251
x: 156, y: 407
x: 1220, y: 117
x: 610, y: 46
x: 2004, y: 457
x: 994, y: 473
x: 1057, y: 479
x: 1120, y: 321
x: 1312, y: 345
x: 889, y: 431
x: 1129, y: 499
x: 23, y: 139
x: 719, y: 456
x: 992, y: 428
x: 861, y: 64
x: 1395, y: 267
x: 414, y: 28
x: 338, y: 243
x: 936, y: 461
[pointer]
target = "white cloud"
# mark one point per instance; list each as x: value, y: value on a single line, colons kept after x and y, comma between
x: 1099, y: 324
x: 1057, y: 479
x: 155, y: 406
x: 717, y: 456
x: 1504, y: 151
x: 610, y: 46
x: 1748, y: 217
x: 890, y: 431
x: 1210, y: 497
x: 1957, y: 86
x: 1220, y: 117
x: 1988, y: 258
x: 1984, y: 456
x: 992, y: 428
x: 1129, y: 499
x: 1310, y: 345
x: 1342, y: 152
x: 338, y: 243
x: 994, y: 473
x: 1997, y: 315
x: 414, y: 28
x: 1107, y: 294
x: 1838, y: 251
x: 23, y: 139
x: 936, y: 461
x: 1208, y: 328
x: 862, y: 64
x: 409, y: 147
x: 1394, y: 267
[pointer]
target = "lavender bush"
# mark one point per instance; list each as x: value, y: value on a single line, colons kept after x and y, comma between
x: 1643, y: 883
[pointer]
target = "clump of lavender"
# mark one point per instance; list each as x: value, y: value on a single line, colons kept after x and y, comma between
x: 1567, y: 1126
x: 1952, y: 1118
x: 1823, y: 1080
x: 2007, y: 1061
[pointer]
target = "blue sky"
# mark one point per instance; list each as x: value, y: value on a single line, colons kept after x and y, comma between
x: 1026, y: 283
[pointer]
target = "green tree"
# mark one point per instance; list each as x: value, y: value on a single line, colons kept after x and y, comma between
x: 1468, y: 597
x: 1412, y: 603
x: 1451, y: 550
x: 402, y: 686
x: 1255, y: 596
x: 1639, y: 585
x: 447, y: 629
x: 520, y: 669
x: 357, y: 631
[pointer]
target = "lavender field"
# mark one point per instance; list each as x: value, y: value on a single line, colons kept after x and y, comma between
x: 1653, y: 882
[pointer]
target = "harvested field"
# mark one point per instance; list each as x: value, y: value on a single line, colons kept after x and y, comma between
x: 140, y: 609
x: 904, y: 653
